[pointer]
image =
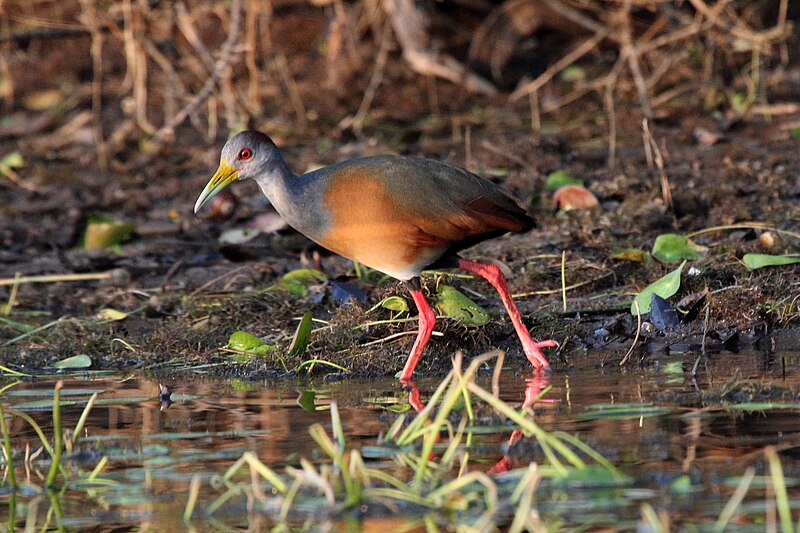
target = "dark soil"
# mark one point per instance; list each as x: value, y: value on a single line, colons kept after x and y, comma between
x: 186, y: 292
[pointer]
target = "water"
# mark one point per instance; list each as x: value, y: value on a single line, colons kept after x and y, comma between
x: 684, y: 441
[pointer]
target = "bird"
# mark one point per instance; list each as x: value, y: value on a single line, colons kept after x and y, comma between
x: 396, y: 214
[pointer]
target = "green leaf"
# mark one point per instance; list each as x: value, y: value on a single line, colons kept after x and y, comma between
x: 397, y: 304
x: 671, y: 247
x: 795, y: 132
x: 12, y: 160
x: 573, y: 73
x: 249, y: 343
x: 76, y: 361
x: 754, y: 261
x: 306, y: 400
x: 665, y: 287
x: 681, y: 485
x: 298, y: 281
x: 454, y: 304
x: 301, y: 335
x: 105, y: 232
x: 558, y: 179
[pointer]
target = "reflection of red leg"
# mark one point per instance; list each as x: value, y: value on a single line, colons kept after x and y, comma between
x: 427, y: 319
x: 493, y: 275
x: 416, y: 403
x: 533, y: 388
x: 413, y: 396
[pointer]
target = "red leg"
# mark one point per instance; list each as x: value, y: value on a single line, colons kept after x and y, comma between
x: 427, y: 319
x: 493, y: 275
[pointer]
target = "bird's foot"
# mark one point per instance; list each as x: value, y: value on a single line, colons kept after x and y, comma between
x: 534, y: 354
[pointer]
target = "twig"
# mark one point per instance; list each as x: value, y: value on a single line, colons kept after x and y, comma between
x: 579, y: 51
x: 357, y: 121
x: 90, y: 14
x: 536, y: 116
x: 282, y: 65
x: 629, y: 51
x: 168, y: 130
x: 55, y: 278
x: 666, y: 193
x: 636, y: 338
x: 409, y: 28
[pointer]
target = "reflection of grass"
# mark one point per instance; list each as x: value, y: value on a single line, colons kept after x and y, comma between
x: 423, y: 470
x: 433, y: 477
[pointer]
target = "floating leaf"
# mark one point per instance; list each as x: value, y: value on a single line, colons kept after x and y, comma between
x: 249, y: 343
x: 42, y: 405
x: 574, y: 197
x: 454, y: 304
x: 635, y: 255
x: 111, y: 314
x: 754, y: 261
x: 761, y: 406
x: 559, y: 179
x: 306, y: 400
x: 671, y: 247
x: 624, y: 410
x: 665, y: 287
x: 301, y: 335
x: 104, y: 232
x: 76, y: 361
x: 298, y: 281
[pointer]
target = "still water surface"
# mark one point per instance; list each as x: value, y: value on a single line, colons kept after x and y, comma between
x: 655, y: 422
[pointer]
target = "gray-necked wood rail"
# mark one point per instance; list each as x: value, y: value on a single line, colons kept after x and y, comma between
x: 398, y: 215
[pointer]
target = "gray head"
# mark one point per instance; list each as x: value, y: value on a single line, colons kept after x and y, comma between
x: 248, y: 154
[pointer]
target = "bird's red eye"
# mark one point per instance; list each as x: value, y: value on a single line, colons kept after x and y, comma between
x: 245, y: 154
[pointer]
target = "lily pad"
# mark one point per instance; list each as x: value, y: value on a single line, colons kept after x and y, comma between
x: 456, y: 305
x: 671, y: 247
x: 298, y: 281
x: 665, y: 287
x: 755, y: 261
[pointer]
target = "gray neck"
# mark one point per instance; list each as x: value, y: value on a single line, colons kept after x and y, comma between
x: 298, y: 199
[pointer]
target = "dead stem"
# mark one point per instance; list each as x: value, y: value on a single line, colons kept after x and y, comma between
x: 220, y: 66
x: 666, y: 193
x: 91, y: 19
x: 636, y: 338
x: 282, y: 66
x: 578, y: 52
x: 357, y: 121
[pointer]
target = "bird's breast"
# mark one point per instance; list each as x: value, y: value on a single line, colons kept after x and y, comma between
x: 368, y: 225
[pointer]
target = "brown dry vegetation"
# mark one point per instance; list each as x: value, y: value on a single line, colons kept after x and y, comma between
x: 120, y: 108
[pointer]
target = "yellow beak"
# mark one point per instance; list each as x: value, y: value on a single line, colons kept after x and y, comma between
x: 224, y: 176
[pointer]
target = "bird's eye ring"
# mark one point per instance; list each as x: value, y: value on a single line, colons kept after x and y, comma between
x: 245, y: 154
